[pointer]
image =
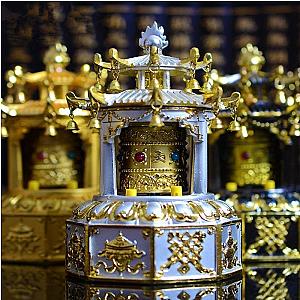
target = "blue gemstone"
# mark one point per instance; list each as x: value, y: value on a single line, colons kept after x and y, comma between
x: 175, y: 156
x: 72, y: 154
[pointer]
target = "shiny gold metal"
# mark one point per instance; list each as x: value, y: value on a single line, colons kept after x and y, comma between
x: 44, y: 159
x: 4, y: 132
x: 50, y: 130
x: 156, y: 120
x: 229, y: 249
x: 76, y: 253
x: 152, y: 159
x: 139, y: 211
x: 268, y: 223
x: 234, y: 126
x: 250, y: 162
x: 121, y: 252
x: 131, y: 192
x: 216, y: 123
x: 72, y: 125
x: 185, y: 249
x: 95, y: 123
x: 192, y: 84
x: 176, y: 190
x: 114, y: 87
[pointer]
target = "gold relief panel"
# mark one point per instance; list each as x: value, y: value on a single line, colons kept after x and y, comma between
x: 219, y: 58
x: 120, y: 252
x: 186, y: 250
x: 118, y: 39
x: 152, y: 160
x: 115, y: 21
x: 54, y: 161
x: 75, y: 254
x: 266, y: 237
x: 28, y: 282
x: 243, y: 39
x: 23, y: 238
x: 229, y: 249
x: 249, y: 161
x: 144, y: 21
x: 275, y: 281
x: 180, y: 40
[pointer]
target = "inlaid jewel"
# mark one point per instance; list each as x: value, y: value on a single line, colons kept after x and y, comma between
x: 175, y: 156
x: 140, y: 157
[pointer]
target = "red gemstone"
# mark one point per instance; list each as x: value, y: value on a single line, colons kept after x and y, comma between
x: 140, y: 156
x: 245, y: 155
x: 41, y: 155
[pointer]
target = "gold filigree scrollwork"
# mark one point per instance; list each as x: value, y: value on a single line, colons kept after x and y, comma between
x: 121, y: 252
x: 76, y: 252
x: 120, y: 296
x: 186, y: 296
x: 186, y: 248
x: 21, y: 239
x: 229, y: 249
x: 150, y: 182
x: 230, y: 292
x: 190, y: 211
x: 272, y: 233
x: 273, y: 284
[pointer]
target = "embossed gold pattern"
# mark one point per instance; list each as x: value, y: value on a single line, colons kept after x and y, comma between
x: 186, y: 211
x: 121, y: 252
x: 273, y: 284
x: 229, y: 249
x: 21, y: 239
x: 250, y: 163
x: 272, y: 220
x: 160, y: 168
x: 186, y: 248
x: 272, y: 233
x: 75, y: 256
x: 153, y: 137
x: 257, y: 203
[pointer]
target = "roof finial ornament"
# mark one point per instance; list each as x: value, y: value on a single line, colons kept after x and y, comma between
x: 153, y: 36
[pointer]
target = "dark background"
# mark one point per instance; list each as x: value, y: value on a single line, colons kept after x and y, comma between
x: 29, y: 28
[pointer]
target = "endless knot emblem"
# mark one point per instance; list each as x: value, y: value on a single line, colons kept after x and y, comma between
x: 272, y: 232
x: 186, y: 249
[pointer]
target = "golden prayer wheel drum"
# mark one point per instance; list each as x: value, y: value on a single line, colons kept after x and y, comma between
x: 152, y: 160
x: 249, y: 161
x: 54, y: 161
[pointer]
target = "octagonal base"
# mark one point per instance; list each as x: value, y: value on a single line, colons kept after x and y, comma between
x: 163, y: 240
x: 33, y: 223
x: 271, y: 224
x: 228, y: 289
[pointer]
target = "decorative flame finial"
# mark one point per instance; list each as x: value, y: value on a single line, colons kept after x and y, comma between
x: 251, y: 58
x: 57, y: 55
x: 153, y: 36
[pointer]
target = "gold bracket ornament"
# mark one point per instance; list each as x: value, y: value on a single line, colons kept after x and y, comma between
x: 121, y: 252
x: 185, y: 249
